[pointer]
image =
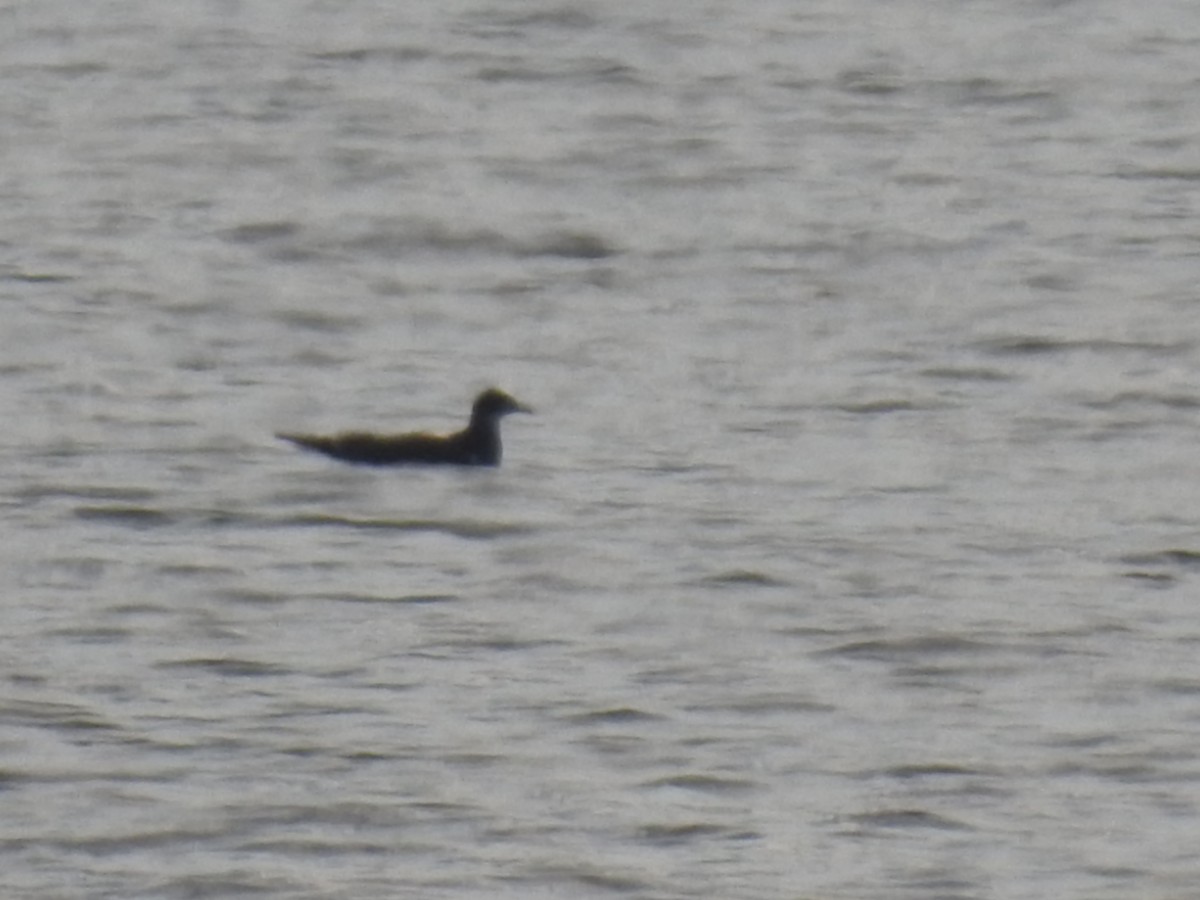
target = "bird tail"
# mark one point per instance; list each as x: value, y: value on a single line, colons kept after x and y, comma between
x: 308, y: 441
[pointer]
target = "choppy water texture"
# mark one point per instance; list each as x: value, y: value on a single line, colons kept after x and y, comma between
x: 854, y: 552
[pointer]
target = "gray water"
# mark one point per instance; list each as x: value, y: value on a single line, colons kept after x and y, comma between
x: 853, y: 551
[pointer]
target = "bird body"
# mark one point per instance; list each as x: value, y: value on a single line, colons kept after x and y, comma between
x: 476, y: 445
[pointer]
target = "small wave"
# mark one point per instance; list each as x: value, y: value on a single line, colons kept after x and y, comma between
x: 94, y: 635
x: 870, y: 81
x: 1178, y: 557
x: 496, y: 644
x: 965, y: 373
x: 567, y: 17
x: 258, y: 232
x: 621, y: 715
x: 928, y: 645
x: 228, y: 666
x: 1179, y: 687
x: 67, y: 716
x: 36, y: 492
x: 36, y: 277
x: 250, y: 596
x: 991, y: 92
x: 1163, y: 173
x: 683, y: 833
x: 1161, y: 569
x: 909, y: 818
x: 743, y: 578
x: 1154, y: 579
x: 570, y: 245
x: 931, y: 770
x: 398, y: 600
x: 1141, y: 399
x: 321, y: 321
x: 591, y: 72
x: 392, y: 237
x: 771, y: 704
x: 476, y: 530
x: 281, y: 240
x: 882, y: 406
x: 149, y: 840
x: 1039, y: 345
x: 137, y: 516
x: 705, y: 784
x: 231, y: 883
x: 606, y: 881
x: 399, y: 54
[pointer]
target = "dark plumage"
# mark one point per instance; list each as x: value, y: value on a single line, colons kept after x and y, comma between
x: 476, y: 445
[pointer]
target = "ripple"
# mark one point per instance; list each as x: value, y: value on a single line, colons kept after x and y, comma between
x: 686, y: 832
x: 781, y: 703
x: 477, y: 530
x: 571, y: 245
x: 36, y: 277
x: 927, y: 770
x: 883, y: 406
x: 1159, y: 173
x: 320, y: 321
x: 925, y: 645
x: 965, y: 373
x: 1141, y: 399
x: 136, y: 516
x: 1184, y: 687
x: 743, y: 578
x: 230, y: 666
x: 258, y: 232
x: 67, y: 716
x: 121, y: 493
x: 1176, y: 557
x: 617, y: 716
x: 399, y: 54
x: 706, y: 784
x: 1040, y: 345
x: 909, y: 818
x: 401, y: 600
x: 390, y: 237
x: 95, y: 635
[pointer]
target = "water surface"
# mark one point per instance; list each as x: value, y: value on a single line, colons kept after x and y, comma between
x: 852, y: 553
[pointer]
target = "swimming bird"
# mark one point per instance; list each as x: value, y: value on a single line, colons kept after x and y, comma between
x: 476, y: 445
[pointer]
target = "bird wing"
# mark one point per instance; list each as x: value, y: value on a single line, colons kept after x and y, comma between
x: 382, y: 449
